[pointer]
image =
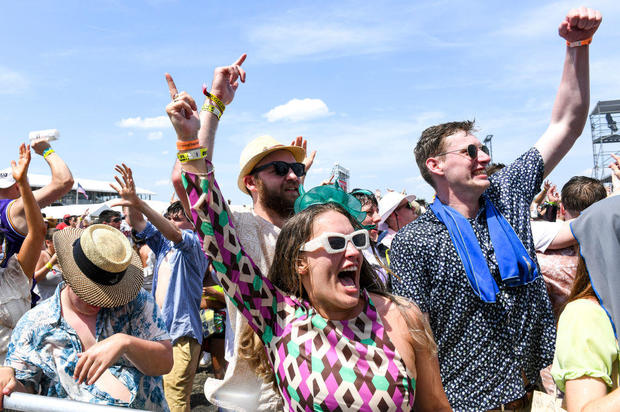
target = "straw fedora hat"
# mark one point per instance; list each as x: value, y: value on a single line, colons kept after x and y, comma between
x: 99, y: 265
x: 256, y: 150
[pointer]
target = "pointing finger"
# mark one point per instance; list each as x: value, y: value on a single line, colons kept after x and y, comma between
x: 240, y: 60
x: 171, y: 86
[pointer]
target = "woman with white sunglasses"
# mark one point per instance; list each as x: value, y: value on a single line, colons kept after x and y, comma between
x: 334, y: 339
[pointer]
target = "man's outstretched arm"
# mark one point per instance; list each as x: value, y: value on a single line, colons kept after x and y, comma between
x: 61, y: 184
x: 570, y: 109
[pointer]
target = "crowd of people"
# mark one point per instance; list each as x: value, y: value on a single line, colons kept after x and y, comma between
x: 495, y: 295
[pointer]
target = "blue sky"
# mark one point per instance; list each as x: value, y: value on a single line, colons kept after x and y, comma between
x: 360, y: 80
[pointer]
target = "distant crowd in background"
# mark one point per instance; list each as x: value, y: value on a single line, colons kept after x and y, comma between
x: 500, y: 293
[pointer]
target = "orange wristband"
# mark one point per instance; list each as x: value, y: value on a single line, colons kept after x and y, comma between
x: 192, y: 144
x: 579, y: 43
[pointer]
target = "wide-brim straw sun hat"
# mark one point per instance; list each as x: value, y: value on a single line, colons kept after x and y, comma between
x: 390, y: 202
x: 99, y: 265
x: 256, y: 150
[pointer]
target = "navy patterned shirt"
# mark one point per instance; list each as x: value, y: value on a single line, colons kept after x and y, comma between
x: 484, y: 348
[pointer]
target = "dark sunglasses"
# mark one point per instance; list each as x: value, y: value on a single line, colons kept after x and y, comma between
x: 471, y: 150
x: 116, y: 219
x: 281, y: 168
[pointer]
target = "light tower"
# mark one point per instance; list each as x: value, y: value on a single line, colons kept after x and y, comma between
x: 605, y: 137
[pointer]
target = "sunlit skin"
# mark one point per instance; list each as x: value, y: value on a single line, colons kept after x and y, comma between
x: 77, y: 304
x: 11, y: 192
x: 319, y: 271
x: 286, y: 186
x: 401, y: 216
x: 180, y: 221
x: 460, y: 180
x: 372, y: 218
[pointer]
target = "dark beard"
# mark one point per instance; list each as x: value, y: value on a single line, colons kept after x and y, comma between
x: 274, y: 200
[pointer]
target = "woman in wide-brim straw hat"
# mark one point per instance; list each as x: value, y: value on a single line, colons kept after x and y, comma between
x: 335, y: 340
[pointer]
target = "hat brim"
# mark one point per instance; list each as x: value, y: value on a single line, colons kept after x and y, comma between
x: 387, y: 213
x: 298, y: 153
x: 105, y: 296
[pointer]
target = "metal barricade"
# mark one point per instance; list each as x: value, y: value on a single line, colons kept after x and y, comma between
x: 35, y: 403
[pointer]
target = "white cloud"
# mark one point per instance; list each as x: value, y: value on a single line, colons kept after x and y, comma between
x: 159, y: 122
x: 155, y: 135
x: 162, y: 182
x: 12, y: 82
x: 297, y: 110
x: 165, y: 152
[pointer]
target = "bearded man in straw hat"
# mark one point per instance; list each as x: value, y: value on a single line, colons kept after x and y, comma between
x: 270, y: 172
x: 100, y: 338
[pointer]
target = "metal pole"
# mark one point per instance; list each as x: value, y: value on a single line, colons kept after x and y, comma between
x: 35, y: 403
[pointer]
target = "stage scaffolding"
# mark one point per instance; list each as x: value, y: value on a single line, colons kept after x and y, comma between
x: 605, y: 136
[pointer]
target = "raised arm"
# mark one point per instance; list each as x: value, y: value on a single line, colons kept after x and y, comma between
x: 61, y: 184
x: 137, y: 207
x: 254, y: 295
x: 570, y: 109
x: 224, y: 85
x: 31, y: 248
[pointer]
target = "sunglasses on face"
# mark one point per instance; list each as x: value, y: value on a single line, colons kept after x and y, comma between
x: 281, y: 168
x: 471, y: 151
x: 116, y: 220
x: 337, y: 242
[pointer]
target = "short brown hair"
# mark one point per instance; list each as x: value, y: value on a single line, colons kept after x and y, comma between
x: 580, y: 192
x: 431, y: 143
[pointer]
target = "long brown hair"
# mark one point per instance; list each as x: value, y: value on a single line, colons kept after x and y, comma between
x: 284, y: 275
x: 582, y: 287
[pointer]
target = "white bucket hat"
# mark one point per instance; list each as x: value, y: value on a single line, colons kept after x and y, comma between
x: 6, y: 178
x: 390, y: 202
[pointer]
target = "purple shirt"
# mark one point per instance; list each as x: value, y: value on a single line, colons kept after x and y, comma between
x: 12, y: 238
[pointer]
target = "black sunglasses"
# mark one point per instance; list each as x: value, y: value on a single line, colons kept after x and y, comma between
x: 471, y: 150
x: 281, y: 168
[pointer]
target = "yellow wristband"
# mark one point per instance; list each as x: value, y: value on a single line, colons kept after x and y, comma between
x: 49, y: 266
x: 210, y: 108
x: 195, y: 154
x: 48, y: 152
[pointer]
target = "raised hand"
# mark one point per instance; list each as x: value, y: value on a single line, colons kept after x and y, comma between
x: 553, y: 194
x: 126, y: 188
x: 226, y: 80
x: 20, y: 169
x: 39, y: 146
x: 580, y: 24
x: 303, y: 143
x: 183, y: 112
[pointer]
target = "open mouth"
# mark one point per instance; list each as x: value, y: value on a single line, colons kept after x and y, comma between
x: 481, y: 172
x: 347, y: 277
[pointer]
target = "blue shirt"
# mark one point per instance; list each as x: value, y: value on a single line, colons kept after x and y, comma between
x: 188, y: 264
x: 44, y: 348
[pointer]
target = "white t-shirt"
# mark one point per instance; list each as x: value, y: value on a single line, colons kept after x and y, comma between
x: 14, y: 300
x: 544, y: 232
